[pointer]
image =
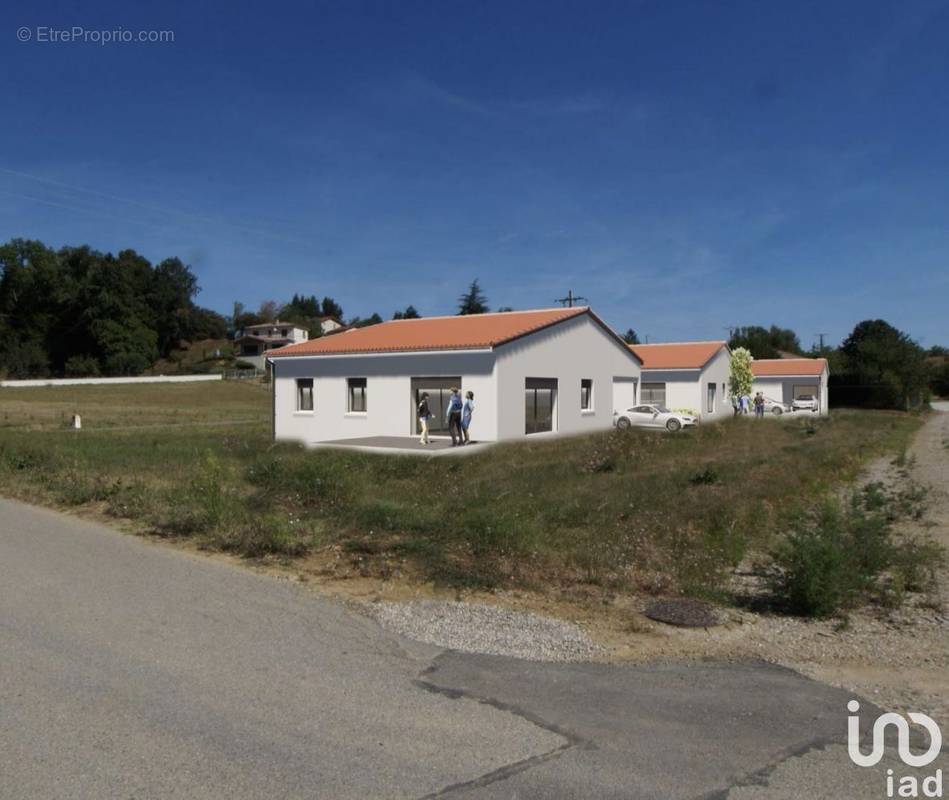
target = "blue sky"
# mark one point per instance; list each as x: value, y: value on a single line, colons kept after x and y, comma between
x: 685, y: 166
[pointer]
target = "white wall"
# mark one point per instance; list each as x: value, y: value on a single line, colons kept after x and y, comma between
x: 575, y: 349
x: 717, y: 372
x: 390, y: 405
x: 109, y: 381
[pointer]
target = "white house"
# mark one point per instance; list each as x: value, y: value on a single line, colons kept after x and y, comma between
x: 785, y: 379
x: 330, y: 325
x: 255, y: 342
x: 689, y: 376
x: 559, y: 370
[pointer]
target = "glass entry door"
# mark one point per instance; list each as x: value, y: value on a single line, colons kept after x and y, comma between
x: 540, y: 398
x: 439, y: 390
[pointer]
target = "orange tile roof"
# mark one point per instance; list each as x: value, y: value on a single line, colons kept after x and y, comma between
x: 778, y: 367
x: 677, y: 355
x: 476, y: 331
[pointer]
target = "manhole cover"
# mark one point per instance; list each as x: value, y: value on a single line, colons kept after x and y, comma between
x: 685, y: 613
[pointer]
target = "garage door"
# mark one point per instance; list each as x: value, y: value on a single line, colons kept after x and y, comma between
x: 804, y: 388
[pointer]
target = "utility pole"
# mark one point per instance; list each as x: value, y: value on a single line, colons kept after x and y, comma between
x: 570, y: 299
x: 731, y: 330
x: 821, y: 336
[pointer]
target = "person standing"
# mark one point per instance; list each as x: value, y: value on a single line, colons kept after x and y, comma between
x: 453, y: 416
x: 466, y: 411
x: 759, y: 405
x: 424, y: 415
x: 736, y: 405
x: 745, y: 402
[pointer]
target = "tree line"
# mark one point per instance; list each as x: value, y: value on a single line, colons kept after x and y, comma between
x: 876, y: 366
x: 77, y: 312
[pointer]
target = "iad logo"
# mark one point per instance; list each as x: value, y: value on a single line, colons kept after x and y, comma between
x: 908, y: 785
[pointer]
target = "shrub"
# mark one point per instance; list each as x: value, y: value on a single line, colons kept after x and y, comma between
x: 841, y: 553
x: 268, y: 534
x: 81, y: 367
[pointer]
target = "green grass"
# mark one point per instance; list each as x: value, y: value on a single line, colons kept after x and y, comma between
x: 635, y: 511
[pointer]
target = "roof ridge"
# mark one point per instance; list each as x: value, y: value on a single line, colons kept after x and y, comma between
x: 666, y: 344
x: 492, y: 314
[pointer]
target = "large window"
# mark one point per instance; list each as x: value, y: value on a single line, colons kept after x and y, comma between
x: 357, y: 395
x: 586, y: 394
x: 653, y: 393
x: 710, y: 399
x: 304, y: 394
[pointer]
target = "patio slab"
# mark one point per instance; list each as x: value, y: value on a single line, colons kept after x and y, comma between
x: 404, y: 444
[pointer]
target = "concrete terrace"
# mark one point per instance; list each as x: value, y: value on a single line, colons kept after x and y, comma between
x: 439, y: 446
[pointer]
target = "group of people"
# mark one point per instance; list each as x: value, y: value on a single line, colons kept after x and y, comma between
x: 458, y: 415
x: 744, y: 403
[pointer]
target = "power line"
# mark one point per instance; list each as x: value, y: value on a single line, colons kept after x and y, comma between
x: 570, y: 299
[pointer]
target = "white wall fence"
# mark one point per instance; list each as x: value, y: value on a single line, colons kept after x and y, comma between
x: 109, y: 381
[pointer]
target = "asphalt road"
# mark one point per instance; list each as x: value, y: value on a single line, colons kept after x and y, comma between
x: 132, y: 670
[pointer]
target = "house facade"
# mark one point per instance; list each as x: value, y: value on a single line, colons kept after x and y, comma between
x: 786, y: 379
x: 532, y: 372
x: 687, y: 376
x: 254, y: 342
x: 330, y: 325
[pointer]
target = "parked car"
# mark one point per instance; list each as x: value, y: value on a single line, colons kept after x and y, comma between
x: 805, y: 402
x: 651, y: 416
x: 776, y: 408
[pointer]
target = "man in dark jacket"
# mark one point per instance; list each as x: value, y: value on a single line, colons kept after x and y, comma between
x: 453, y: 415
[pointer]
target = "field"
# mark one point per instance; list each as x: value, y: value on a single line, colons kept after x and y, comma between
x: 635, y: 512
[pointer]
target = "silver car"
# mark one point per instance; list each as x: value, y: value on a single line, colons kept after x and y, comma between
x: 776, y: 408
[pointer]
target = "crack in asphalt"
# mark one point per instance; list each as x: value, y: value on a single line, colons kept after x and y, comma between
x: 762, y: 776
x: 508, y: 770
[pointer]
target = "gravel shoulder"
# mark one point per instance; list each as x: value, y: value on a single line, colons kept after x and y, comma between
x: 900, y: 658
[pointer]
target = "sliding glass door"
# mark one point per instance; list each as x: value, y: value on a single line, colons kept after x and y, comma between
x: 439, y: 390
x: 540, y: 404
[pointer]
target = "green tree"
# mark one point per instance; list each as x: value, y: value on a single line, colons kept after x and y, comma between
x: 173, y: 286
x: 883, y: 367
x: 409, y: 313
x: 765, y: 342
x: 630, y: 337
x: 473, y: 301
x: 741, y: 377
x: 365, y: 322
x: 331, y: 308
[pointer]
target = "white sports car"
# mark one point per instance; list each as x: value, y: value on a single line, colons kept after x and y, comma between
x: 647, y: 416
x: 805, y: 402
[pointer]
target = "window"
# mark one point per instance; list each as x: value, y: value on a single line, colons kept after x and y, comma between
x: 357, y: 395
x: 653, y: 393
x: 304, y: 394
x: 586, y: 394
x: 710, y: 400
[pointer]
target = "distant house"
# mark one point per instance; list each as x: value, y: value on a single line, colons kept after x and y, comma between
x: 690, y: 376
x: 786, y: 379
x: 330, y: 325
x: 254, y: 342
x: 554, y: 370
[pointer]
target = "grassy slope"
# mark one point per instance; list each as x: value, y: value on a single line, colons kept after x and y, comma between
x: 636, y: 511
